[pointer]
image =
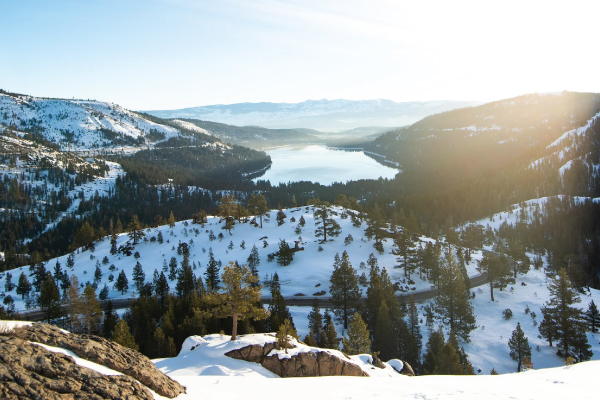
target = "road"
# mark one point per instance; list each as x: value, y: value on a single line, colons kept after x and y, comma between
x: 420, y: 296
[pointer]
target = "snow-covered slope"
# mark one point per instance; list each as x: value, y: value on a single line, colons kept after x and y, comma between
x: 324, y: 115
x: 80, y: 124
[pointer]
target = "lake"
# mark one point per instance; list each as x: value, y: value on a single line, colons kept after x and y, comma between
x: 323, y: 165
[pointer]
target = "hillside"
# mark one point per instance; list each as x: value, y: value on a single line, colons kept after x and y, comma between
x: 322, y: 115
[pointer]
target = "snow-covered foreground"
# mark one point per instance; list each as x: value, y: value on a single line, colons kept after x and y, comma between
x: 575, y: 382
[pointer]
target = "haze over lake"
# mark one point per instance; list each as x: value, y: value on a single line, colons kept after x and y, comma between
x: 323, y: 165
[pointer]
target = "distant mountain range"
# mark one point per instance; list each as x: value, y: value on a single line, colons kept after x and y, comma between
x: 323, y: 115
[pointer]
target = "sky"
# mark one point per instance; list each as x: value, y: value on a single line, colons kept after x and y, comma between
x: 169, y: 54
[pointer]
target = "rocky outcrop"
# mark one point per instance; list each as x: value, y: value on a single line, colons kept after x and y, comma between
x: 30, y: 371
x: 104, y: 352
x: 317, y: 363
x: 407, y: 369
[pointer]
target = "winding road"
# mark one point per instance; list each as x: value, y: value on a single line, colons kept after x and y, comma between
x: 420, y: 296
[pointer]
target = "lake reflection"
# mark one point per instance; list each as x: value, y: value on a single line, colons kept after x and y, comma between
x: 322, y: 165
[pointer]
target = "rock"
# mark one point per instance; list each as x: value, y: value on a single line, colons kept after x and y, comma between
x: 30, y: 371
x: 312, y: 363
x: 378, y: 363
x: 407, y: 369
x: 104, y: 352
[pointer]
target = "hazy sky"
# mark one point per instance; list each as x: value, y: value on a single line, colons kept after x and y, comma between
x: 165, y: 54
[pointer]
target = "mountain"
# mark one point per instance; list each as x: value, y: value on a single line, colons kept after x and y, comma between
x: 80, y: 124
x: 323, y: 115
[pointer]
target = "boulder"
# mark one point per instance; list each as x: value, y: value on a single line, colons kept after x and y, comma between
x: 305, y: 364
x: 103, y: 352
x: 30, y: 371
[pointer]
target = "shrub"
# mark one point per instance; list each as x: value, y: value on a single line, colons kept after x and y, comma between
x: 507, y: 314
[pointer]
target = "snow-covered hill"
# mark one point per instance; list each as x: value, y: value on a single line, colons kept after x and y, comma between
x: 308, y: 276
x: 79, y: 124
x: 324, y: 115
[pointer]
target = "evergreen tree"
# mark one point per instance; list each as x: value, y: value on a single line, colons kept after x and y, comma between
x: 172, y: 269
x: 160, y: 237
x: 258, y: 206
x: 226, y: 211
x: 518, y: 260
x: 562, y: 320
x: 135, y: 229
x: 452, y: 303
x: 376, y: 227
x: 592, y: 316
x: 97, y: 274
x: 519, y: 346
x: 110, y: 320
x: 113, y: 244
x: 122, y: 283
x: 278, y: 309
x: 281, y: 216
x: 253, y: 261
x: 139, y: 276
x: 23, y: 287
x: 8, y: 285
x: 315, y: 323
x: 103, y: 295
x: 385, y: 339
x: 284, y: 334
x: 404, y: 249
x: 345, y: 294
x: 83, y: 237
x: 325, y: 225
x: 122, y: 335
x: 73, y: 304
x: 212, y: 272
x: 358, y: 341
x: 171, y: 220
x: 162, y: 289
x: 49, y: 299
x: 498, y: 270
x: 238, y: 298
x: 331, y: 340
x: 414, y: 331
x: 434, y: 347
x: 58, y: 273
x: 91, y: 311
x: 186, y: 284
x: 285, y: 255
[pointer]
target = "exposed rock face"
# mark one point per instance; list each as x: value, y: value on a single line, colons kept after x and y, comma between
x: 307, y: 364
x: 407, y: 369
x: 30, y: 371
x: 104, y: 352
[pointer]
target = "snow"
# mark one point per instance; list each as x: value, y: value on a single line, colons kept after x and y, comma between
x: 557, y: 383
x: 83, y: 118
x: 80, y: 361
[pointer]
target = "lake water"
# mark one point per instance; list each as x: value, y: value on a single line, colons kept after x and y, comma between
x: 323, y: 165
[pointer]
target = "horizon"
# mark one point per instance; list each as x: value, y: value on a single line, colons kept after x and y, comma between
x: 174, y: 54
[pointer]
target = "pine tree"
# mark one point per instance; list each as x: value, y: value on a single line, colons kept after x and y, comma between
x: 73, y: 304
x: 452, y: 303
x: 171, y: 220
x: 358, y: 341
x: 110, y: 320
x: 414, y: 331
x: 519, y: 346
x: 562, y: 320
x: 162, y: 289
x: 278, y: 310
x: 91, y: 310
x: 434, y: 347
x: 285, y: 255
x: 58, y: 273
x: 160, y: 237
x: 136, y: 232
x: 122, y: 283
x: 385, y: 339
x: 284, y: 334
x: 375, y: 227
x: 238, y: 298
x: 404, y: 249
x: 172, y: 269
x: 498, y: 270
x: 329, y: 334
x: 49, y: 299
x: 212, y: 272
x: 103, y: 295
x: 83, y: 237
x: 325, y: 225
x: 139, y: 276
x: 186, y: 284
x: 280, y: 217
x: 23, y: 287
x: 345, y: 294
x: 518, y: 260
x: 258, y: 206
x: 8, y: 285
x: 97, y: 274
x: 592, y: 316
x: 253, y: 261
x: 122, y: 335
x: 226, y: 211
x: 315, y: 323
